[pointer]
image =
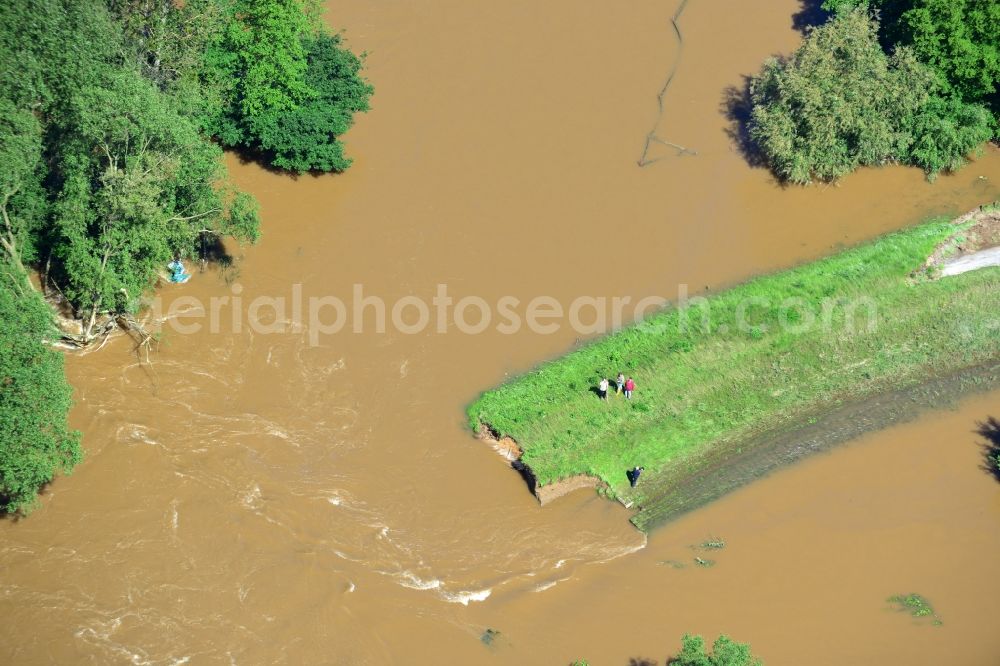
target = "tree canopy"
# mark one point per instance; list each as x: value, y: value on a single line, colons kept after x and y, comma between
x: 287, y: 89
x: 840, y: 102
x: 725, y: 652
x: 34, y: 399
x: 109, y: 176
x: 108, y: 169
x: 958, y: 39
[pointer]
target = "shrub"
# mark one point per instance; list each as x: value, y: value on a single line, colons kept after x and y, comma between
x: 725, y: 652
x: 34, y: 400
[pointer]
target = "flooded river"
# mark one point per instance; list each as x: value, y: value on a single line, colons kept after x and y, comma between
x: 254, y: 498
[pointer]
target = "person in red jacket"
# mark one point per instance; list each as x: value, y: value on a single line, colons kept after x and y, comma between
x: 629, y: 387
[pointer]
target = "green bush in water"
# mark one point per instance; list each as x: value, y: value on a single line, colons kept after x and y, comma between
x: 840, y: 102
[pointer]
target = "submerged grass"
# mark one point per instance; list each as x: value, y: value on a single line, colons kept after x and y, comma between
x: 756, y: 366
x: 916, y: 605
x: 712, y: 544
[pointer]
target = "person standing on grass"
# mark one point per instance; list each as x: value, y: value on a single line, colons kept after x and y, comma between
x: 602, y: 388
x: 629, y: 387
x: 633, y: 475
x: 619, y: 383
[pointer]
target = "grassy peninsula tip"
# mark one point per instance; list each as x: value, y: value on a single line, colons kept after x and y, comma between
x: 776, y: 351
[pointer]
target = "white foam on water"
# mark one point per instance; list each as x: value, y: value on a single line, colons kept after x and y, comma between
x: 414, y: 582
x: 135, y: 433
x: 251, y: 497
x: 465, y: 597
x: 339, y: 497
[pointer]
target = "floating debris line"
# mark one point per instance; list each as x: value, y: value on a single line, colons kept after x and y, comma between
x: 653, y: 137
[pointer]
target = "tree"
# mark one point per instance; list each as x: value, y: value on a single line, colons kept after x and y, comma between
x: 305, y: 138
x: 287, y: 89
x: 104, y: 177
x: 259, y: 62
x: 725, y: 652
x: 945, y: 131
x: 839, y: 102
x: 36, y: 442
x: 22, y: 205
x: 958, y: 39
x: 145, y: 193
x: 836, y: 103
x: 109, y: 175
x: 168, y: 38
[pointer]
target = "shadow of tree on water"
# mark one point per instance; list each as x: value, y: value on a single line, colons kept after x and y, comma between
x: 810, y: 15
x: 736, y: 107
x: 989, y: 430
x: 642, y: 661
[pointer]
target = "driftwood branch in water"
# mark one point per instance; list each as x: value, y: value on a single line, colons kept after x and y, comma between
x: 97, y: 336
x: 652, y: 137
x: 135, y: 330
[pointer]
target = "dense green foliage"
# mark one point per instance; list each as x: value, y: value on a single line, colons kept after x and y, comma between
x: 858, y: 325
x: 305, y: 138
x: 725, y: 652
x: 958, y: 39
x: 111, y: 177
x: 110, y: 174
x: 107, y: 170
x: 288, y: 90
x: 34, y: 399
x: 839, y: 102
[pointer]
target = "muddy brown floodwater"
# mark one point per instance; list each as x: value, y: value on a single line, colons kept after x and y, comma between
x: 254, y: 499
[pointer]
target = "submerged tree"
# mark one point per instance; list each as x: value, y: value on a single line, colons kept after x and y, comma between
x: 103, y: 178
x: 839, y: 102
x: 287, y: 89
x: 305, y: 138
x: 725, y: 652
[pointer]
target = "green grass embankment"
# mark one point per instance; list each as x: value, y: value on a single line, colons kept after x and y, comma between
x: 703, y: 389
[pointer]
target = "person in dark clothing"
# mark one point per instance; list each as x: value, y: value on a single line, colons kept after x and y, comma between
x: 633, y: 475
